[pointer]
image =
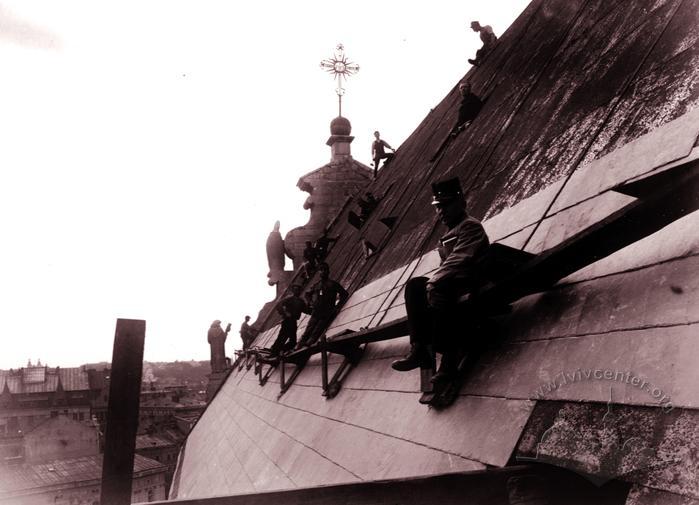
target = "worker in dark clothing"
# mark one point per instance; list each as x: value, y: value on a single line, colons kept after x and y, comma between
x: 367, y: 205
x: 247, y: 333
x: 290, y: 308
x: 322, y: 245
x: 435, y: 322
x: 469, y: 108
x: 310, y: 260
x: 487, y: 37
x: 378, y: 152
x: 326, y: 297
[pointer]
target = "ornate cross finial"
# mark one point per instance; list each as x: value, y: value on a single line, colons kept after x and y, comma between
x: 341, y: 68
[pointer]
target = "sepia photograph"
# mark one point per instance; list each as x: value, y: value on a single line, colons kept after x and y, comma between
x: 349, y: 253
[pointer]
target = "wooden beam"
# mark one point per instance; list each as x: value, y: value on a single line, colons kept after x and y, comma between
x: 629, y: 224
x: 122, y: 412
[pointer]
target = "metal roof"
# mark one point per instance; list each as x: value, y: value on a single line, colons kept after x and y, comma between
x: 26, y: 477
x: 44, y: 379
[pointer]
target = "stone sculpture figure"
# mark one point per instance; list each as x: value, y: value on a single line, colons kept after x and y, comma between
x: 217, y: 340
x: 275, y: 255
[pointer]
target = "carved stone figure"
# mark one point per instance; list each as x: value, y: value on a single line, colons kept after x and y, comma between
x: 217, y: 341
x: 275, y: 255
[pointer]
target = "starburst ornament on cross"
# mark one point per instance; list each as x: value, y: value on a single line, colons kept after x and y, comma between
x: 341, y: 69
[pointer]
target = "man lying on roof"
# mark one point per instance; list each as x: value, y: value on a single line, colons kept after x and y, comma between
x: 435, y: 322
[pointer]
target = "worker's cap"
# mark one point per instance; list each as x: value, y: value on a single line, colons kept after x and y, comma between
x: 446, y: 191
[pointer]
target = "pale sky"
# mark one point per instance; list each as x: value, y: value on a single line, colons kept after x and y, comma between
x: 147, y: 147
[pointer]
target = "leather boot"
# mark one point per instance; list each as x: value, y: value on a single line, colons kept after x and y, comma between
x: 418, y: 357
x: 448, y: 368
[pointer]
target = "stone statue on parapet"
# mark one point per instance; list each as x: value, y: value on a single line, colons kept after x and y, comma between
x: 275, y: 255
x: 217, y: 340
x: 489, y: 40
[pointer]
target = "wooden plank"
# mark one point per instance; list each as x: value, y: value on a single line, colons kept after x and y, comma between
x: 122, y: 412
x: 625, y: 226
x: 671, y: 142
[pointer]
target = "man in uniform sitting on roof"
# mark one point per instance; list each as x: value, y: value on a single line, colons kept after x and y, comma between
x: 290, y: 309
x: 434, y: 319
x: 326, y: 297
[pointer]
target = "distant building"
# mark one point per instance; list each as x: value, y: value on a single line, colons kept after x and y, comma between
x: 162, y: 449
x: 30, y: 395
x: 75, y: 481
x: 61, y: 438
x: 59, y: 462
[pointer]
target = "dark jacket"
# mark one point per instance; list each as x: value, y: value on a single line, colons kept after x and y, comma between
x: 459, y: 249
x: 469, y: 108
x: 324, y: 296
x: 291, y: 307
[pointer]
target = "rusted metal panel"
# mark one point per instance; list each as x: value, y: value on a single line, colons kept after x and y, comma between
x: 647, y: 446
x: 642, y: 495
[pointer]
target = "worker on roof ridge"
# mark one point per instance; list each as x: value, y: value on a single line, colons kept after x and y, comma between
x: 325, y: 297
x: 489, y: 40
x: 322, y: 245
x: 291, y: 307
x: 436, y: 323
x: 310, y: 263
x: 378, y: 153
x: 469, y: 107
x: 247, y: 333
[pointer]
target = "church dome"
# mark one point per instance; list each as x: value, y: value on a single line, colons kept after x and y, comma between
x: 340, y: 126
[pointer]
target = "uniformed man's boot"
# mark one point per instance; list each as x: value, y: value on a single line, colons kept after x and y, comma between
x: 418, y: 357
x: 448, y: 368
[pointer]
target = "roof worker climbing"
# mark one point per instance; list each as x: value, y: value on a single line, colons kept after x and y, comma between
x: 469, y: 108
x: 326, y: 298
x: 378, y: 153
x: 487, y: 37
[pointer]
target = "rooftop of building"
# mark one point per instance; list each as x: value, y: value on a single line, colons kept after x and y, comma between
x: 152, y: 442
x: 581, y: 97
x: 15, y: 479
x: 43, y: 379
